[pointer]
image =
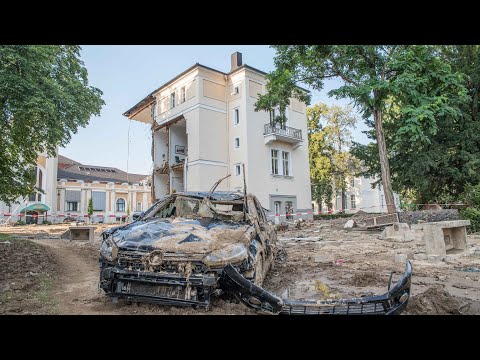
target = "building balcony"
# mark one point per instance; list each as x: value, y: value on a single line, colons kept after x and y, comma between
x: 282, y: 133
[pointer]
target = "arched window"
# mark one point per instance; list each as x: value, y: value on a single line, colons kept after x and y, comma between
x: 120, y: 204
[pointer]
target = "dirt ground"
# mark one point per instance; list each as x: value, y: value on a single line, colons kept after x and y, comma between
x: 323, y: 261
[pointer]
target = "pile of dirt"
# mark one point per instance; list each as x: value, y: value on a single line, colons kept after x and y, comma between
x: 412, y: 217
x: 26, y: 277
x: 434, y: 301
x: 365, y: 279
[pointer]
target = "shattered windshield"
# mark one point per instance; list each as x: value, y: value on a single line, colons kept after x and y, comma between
x: 194, y: 208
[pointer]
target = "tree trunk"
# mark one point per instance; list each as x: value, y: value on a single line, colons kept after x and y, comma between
x: 384, y: 166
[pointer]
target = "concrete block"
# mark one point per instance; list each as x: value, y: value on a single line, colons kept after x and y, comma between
x: 442, y: 236
x: 85, y: 233
x: 398, y: 232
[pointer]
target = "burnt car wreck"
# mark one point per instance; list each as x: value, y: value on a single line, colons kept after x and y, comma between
x: 189, y: 247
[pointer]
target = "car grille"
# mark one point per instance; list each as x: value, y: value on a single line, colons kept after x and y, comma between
x: 334, y: 309
x: 136, y: 260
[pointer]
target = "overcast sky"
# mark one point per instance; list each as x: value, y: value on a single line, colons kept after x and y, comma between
x: 126, y: 74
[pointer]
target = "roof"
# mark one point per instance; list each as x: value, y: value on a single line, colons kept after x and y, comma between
x: 149, y: 98
x: 73, y: 170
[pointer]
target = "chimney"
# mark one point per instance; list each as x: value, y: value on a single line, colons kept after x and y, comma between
x: 236, y: 60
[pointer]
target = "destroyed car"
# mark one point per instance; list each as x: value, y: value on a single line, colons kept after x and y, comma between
x: 191, y: 246
x: 177, y: 251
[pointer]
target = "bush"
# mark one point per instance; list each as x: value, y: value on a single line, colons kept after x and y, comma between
x: 473, y: 215
x: 471, y: 195
x: 47, y: 222
x: 20, y: 222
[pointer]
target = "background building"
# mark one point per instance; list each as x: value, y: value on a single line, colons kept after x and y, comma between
x: 359, y: 195
x: 204, y: 127
x: 113, y: 191
x: 68, y: 186
x: 35, y: 207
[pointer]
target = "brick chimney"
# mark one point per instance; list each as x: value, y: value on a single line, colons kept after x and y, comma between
x: 236, y: 60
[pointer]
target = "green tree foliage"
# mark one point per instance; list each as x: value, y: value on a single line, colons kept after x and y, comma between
x: 408, y: 79
x: 432, y: 138
x: 90, y: 207
x: 44, y: 99
x: 329, y: 138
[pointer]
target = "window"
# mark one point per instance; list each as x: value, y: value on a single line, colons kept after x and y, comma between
x: 237, y: 142
x: 275, y: 162
x: 31, y: 197
x: 139, y: 206
x: 286, y: 163
x: 236, y: 90
x: 237, y: 170
x: 353, y: 204
x: 172, y: 100
x: 183, y: 96
x: 236, y: 118
x: 381, y: 200
x: 120, y: 204
x: 72, y: 206
x: 352, y: 182
x: 277, y: 205
x: 272, y: 116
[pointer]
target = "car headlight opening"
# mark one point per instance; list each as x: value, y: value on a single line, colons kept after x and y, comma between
x: 230, y: 254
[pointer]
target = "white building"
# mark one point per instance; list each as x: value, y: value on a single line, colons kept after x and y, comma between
x: 204, y: 127
x: 35, y: 206
x: 359, y: 196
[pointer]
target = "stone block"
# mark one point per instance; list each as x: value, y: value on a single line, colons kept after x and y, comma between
x: 398, y: 232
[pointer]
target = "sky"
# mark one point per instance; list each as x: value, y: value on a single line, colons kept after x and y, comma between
x: 126, y: 74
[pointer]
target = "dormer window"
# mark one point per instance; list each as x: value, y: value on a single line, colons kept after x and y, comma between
x: 172, y: 100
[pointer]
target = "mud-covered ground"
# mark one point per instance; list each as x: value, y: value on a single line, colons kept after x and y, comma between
x: 322, y: 261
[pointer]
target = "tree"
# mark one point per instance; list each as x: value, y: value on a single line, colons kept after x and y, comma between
x: 44, y: 99
x: 330, y: 161
x: 90, y: 208
x: 370, y: 75
x: 432, y: 140
x: 320, y: 164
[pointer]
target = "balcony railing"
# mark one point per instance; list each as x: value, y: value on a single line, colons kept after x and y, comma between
x: 283, y: 131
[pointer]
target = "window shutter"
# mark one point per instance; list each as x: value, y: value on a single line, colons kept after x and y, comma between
x: 72, y: 196
x: 99, y: 200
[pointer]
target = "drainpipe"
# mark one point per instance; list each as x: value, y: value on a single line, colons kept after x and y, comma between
x: 228, y: 131
x: 185, y: 169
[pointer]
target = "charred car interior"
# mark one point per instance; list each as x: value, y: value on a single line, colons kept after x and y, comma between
x: 191, y: 246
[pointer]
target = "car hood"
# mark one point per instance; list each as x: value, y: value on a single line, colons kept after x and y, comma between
x: 180, y: 235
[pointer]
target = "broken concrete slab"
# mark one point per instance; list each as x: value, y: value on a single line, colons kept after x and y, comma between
x: 398, y: 232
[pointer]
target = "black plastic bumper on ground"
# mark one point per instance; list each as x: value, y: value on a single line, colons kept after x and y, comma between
x: 392, y: 302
